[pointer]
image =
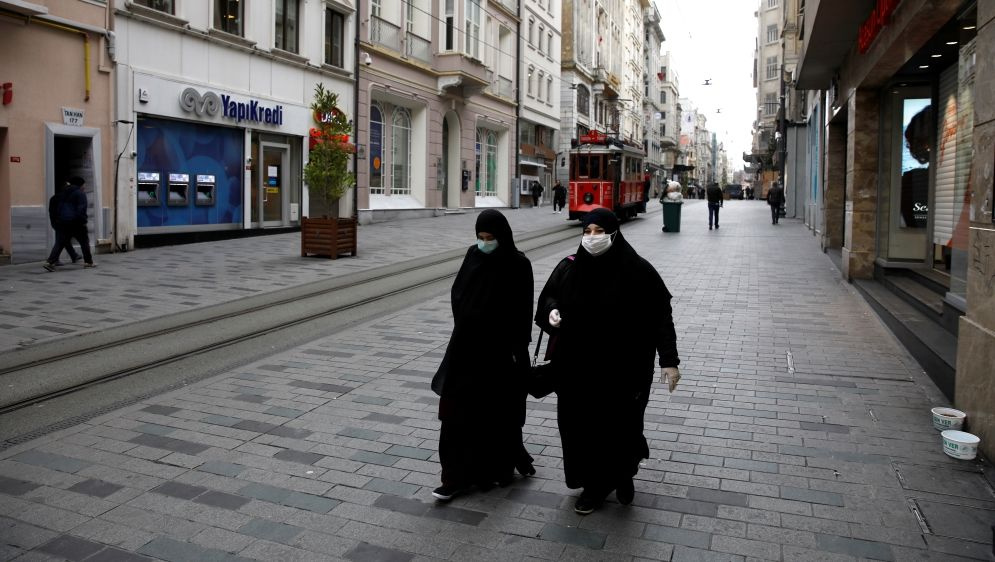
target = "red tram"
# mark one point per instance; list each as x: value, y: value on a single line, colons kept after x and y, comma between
x: 604, y: 172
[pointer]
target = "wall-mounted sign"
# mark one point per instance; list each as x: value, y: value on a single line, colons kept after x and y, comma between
x: 880, y: 17
x: 72, y: 117
x: 210, y: 104
x: 15, y: 159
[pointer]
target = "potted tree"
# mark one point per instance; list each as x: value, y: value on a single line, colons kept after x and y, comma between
x: 328, y: 177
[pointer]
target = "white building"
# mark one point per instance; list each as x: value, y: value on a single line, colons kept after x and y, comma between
x: 539, y: 99
x: 654, y: 98
x: 213, y: 110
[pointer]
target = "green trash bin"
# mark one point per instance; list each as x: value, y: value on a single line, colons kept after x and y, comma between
x: 671, y: 216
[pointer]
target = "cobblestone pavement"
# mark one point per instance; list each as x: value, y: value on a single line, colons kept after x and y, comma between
x: 37, y: 306
x: 800, y: 431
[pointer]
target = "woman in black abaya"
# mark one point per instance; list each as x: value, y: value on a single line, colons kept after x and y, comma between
x: 482, y: 379
x: 609, y: 312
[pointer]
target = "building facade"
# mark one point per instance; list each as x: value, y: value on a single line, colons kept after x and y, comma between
x: 901, y: 125
x: 767, y: 79
x: 654, y: 99
x: 539, y: 100
x: 55, y: 119
x: 669, y: 123
x: 213, y: 111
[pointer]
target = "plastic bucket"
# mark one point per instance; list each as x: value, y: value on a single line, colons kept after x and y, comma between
x: 960, y: 445
x: 947, y: 418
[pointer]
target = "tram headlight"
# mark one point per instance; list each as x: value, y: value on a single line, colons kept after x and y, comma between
x: 588, y: 198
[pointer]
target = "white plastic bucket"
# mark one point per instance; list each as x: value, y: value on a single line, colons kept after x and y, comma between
x: 947, y: 418
x: 960, y: 445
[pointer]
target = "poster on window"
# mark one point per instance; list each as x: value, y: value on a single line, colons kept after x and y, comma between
x: 917, y: 119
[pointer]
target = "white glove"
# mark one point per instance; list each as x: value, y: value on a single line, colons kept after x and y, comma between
x: 670, y: 376
x: 554, y: 318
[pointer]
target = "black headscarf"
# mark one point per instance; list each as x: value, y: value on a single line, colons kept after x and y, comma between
x: 494, y: 223
x: 601, y: 217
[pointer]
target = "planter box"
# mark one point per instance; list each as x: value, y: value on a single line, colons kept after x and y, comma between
x: 328, y: 237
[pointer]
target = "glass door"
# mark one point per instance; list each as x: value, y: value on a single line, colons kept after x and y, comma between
x: 273, y: 181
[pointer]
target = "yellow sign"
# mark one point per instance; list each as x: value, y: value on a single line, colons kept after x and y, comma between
x: 272, y: 190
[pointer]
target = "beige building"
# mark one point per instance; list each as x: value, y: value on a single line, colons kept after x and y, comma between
x: 55, y: 118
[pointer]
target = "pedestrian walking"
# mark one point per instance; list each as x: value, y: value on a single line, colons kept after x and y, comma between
x: 536, y: 193
x: 72, y: 216
x: 62, y: 238
x: 775, y: 198
x: 559, y: 197
x: 602, y: 356
x: 482, y: 378
x: 715, y: 202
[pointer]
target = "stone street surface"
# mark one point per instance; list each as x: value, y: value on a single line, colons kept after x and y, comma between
x: 800, y: 429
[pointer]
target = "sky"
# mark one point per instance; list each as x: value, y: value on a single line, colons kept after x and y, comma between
x: 715, y: 39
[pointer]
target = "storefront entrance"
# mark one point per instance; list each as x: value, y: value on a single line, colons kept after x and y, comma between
x: 269, y: 193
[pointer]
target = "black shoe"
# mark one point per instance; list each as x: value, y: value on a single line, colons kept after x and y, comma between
x: 525, y: 469
x: 586, y: 504
x: 716, y: 227
x: 447, y: 492
x: 49, y: 266
x: 625, y: 492
x: 709, y: 228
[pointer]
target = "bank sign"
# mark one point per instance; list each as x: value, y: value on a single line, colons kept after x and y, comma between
x: 210, y: 104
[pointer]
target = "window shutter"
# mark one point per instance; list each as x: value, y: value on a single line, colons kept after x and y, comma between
x: 946, y: 158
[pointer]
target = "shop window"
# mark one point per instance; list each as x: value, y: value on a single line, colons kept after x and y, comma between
x: 334, y: 44
x: 228, y: 16
x: 400, y: 152
x: 376, y: 150
x: 287, y: 12
x: 485, y: 158
x: 160, y: 5
x: 911, y: 140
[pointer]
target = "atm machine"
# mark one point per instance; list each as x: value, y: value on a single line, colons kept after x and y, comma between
x: 204, y: 190
x: 148, y: 189
x: 178, y: 190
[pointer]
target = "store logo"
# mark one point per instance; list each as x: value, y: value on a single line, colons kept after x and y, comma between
x: 192, y: 101
x: 209, y: 104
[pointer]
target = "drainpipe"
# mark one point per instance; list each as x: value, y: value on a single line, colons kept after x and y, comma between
x: 515, y: 196
x: 355, y: 117
x: 86, y: 48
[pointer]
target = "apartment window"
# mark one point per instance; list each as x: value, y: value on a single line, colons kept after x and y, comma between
x: 663, y: 96
x: 542, y: 31
x: 539, y: 86
x: 450, y: 24
x: 770, y: 104
x: 771, y: 67
x: 160, y: 5
x: 583, y: 100
x: 376, y: 149
x: 772, y: 34
x: 286, y: 25
x: 472, y: 29
x: 771, y: 3
x: 532, y: 25
x: 549, y: 43
x: 528, y: 81
x: 400, y: 152
x: 334, y: 39
x: 228, y: 16
x: 549, y: 90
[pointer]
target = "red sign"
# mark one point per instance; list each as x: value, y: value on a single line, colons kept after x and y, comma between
x: 593, y: 137
x: 880, y: 17
x: 15, y: 159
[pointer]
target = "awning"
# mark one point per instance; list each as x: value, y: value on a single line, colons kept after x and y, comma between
x: 531, y: 163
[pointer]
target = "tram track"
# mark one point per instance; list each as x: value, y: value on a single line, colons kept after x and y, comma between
x: 172, y: 344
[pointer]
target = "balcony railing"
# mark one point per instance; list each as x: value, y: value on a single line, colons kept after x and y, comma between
x: 502, y: 86
x: 418, y: 48
x: 382, y: 32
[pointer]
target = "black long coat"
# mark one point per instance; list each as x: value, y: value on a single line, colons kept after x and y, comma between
x: 482, y: 379
x: 616, y: 317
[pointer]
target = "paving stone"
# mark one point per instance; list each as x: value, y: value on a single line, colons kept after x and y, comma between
x: 49, y: 460
x: 756, y: 549
x: 456, y: 514
x: 111, y: 554
x: 409, y: 452
x: 696, y: 539
x: 169, y: 444
x: 179, y: 490
x: 161, y: 410
x: 221, y: 468
x: 364, y: 552
x: 14, y: 487
x: 176, y: 551
x: 270, y: 530
x: 389, y: 487
x: 572, y: 535
x: 688, y: 554
x: 360, y: 433
x: 301, y: 457
x: 291, y: 432
x: 532, y: 497
x: 681, y: 505
x: 221, y: 499
x: 375, y: 458
x: 71, y: 548
x: 717, y: 496
x: 811, y: 496
x: 854, y: 547
x: 226, y: 421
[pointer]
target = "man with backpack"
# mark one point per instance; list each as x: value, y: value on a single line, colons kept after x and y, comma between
x: 62, y: 239
x: 775, y: 198
x: 71, y: 215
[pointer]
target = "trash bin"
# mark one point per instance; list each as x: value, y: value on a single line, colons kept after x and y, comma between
x: 671, y: 216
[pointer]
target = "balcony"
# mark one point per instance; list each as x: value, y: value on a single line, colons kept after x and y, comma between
x: 503, y: 87
x: 385, y: 34
x: 458, y: 70
x: 418, y: 48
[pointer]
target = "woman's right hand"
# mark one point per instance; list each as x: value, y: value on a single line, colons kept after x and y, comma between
x: 554, y: 318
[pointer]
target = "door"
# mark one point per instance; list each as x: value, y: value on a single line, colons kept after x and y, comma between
x: 272, y: 189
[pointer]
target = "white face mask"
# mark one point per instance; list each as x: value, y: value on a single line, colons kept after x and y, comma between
x: 596, y: 244
x: 487, y: 246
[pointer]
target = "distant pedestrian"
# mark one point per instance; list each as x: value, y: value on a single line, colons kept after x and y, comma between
x: 715, y: 202
x: 775, y: 198
x: 72, y: 216
x: 62, y: 237
x: 482, y: 378
x: 559, y: 197
x: 603, y: 358
x: 536, y: 193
